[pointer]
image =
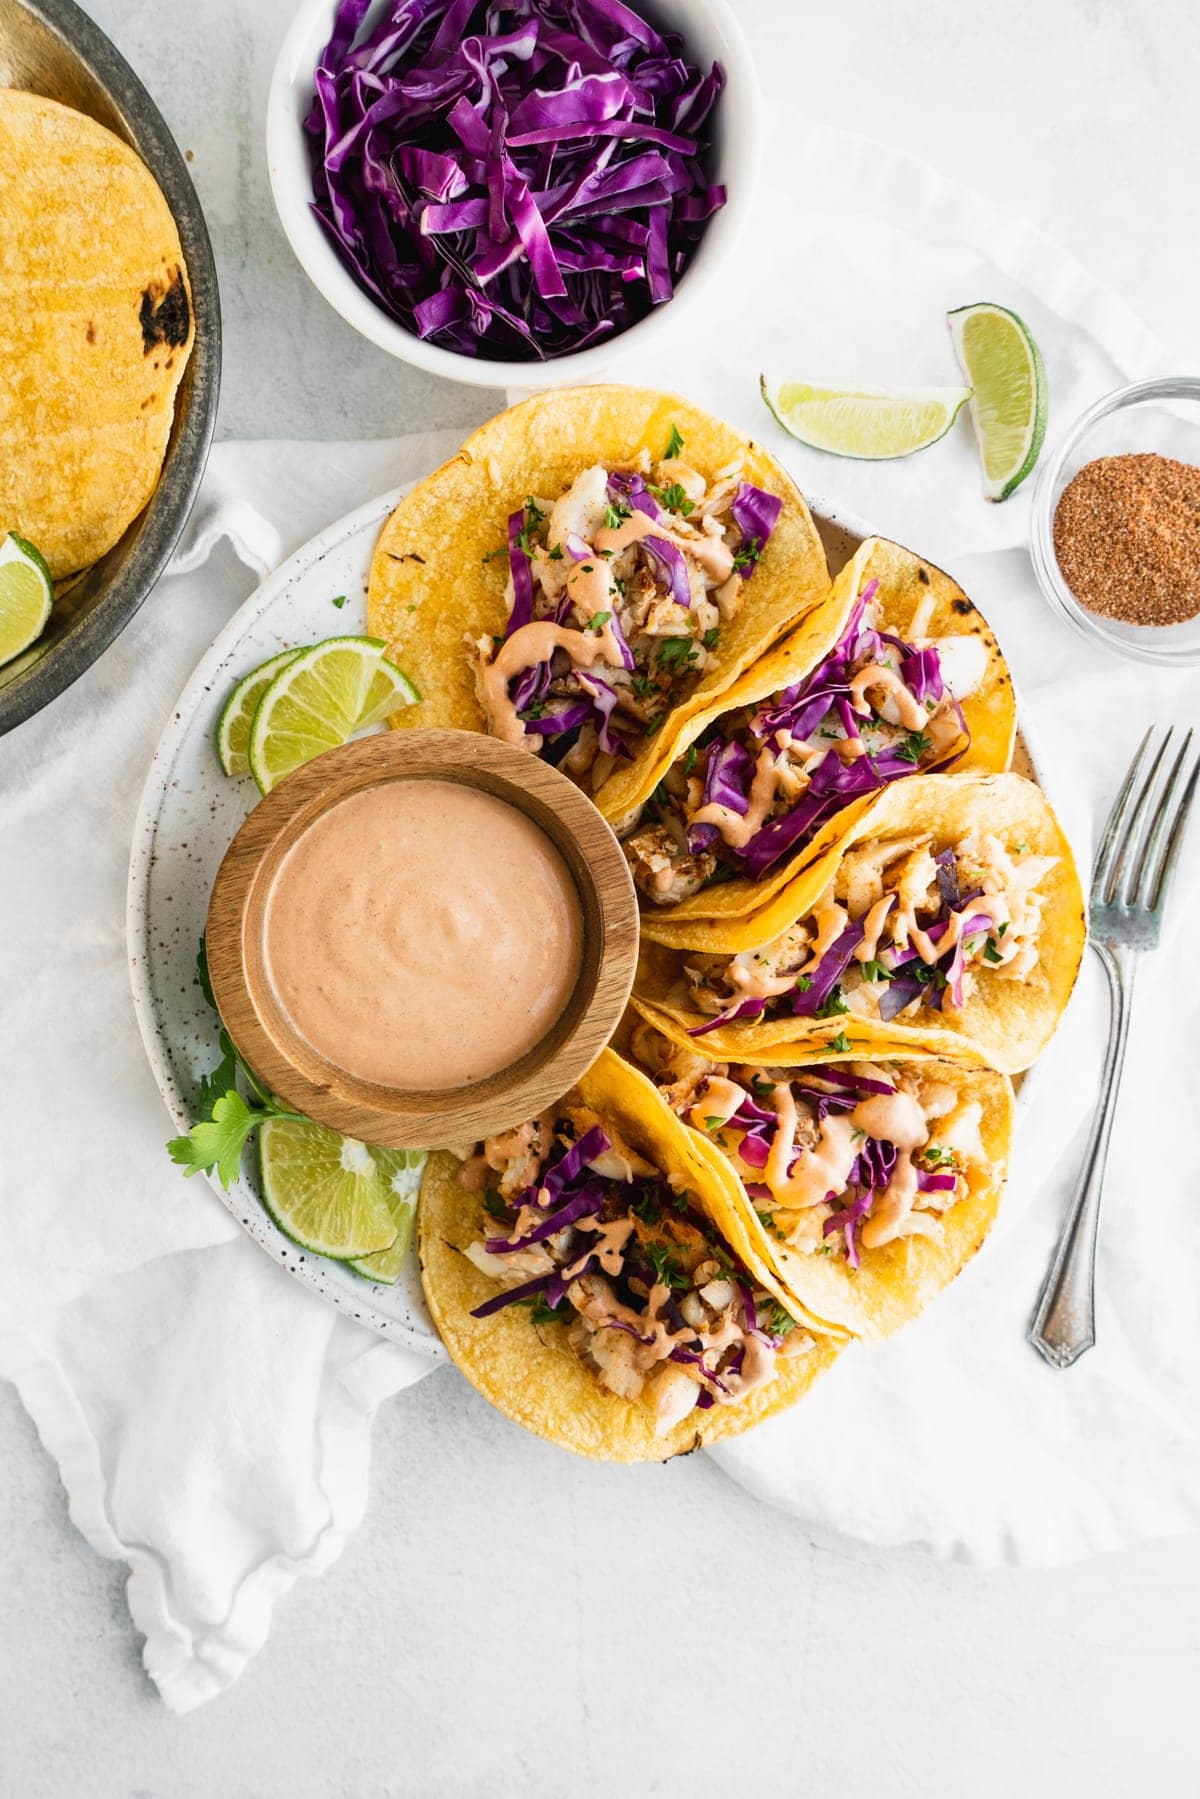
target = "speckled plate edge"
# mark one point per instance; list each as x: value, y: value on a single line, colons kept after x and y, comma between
x: 242, y: 1201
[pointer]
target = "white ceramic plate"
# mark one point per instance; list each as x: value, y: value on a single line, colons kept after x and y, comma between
x: 188, y: 815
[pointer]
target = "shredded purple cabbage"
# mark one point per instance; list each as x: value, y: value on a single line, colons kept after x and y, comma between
x: 667, y: 560
x: 756, y: 515
x: 511, y: 178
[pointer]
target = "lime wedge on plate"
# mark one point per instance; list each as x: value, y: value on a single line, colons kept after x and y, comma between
x: 26, y: 595
x: 233, y: 726
x: 998, y: 356
x: 389, y: 692
x: 870, y: 423
x: 319, y: 700
x: 330, y: 1193
x: 401, y: 1171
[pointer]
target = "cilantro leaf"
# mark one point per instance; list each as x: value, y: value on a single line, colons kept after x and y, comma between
x: 674, y: 444
x: 669, y: 1273
x: 614, y: 516
x: 915, y: 745
x: 597, y: 621
x: 841, y: 1042
x: 339, y: 600
x: 675, y: 653
x: 674, y: 499
x: 217, y: 1142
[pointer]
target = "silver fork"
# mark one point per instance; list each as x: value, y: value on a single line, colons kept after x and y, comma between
x: 1137, y: 857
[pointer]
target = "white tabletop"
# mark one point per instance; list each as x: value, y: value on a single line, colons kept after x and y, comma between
x: 702, y: 1633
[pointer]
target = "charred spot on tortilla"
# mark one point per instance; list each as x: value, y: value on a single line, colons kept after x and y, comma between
x: 164, y: 313
x: 91, y: 331
x: 964, y: 605
x: 923, y: 576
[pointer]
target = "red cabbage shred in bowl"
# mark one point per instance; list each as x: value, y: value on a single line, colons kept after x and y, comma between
x: 511, y: 180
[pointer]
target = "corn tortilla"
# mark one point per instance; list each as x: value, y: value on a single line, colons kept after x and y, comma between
x: 905, y: 580
x: 95, y: 330
x: 528, y: 1371
x: 431, y: 587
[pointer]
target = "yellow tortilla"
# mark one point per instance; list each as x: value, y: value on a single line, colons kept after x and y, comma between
x: 1004, y: 1024
x: 431, y: 588
x: 527, y: 1371
x: 905, y: 580
x: 95, y: 330
x: 893, y: 1283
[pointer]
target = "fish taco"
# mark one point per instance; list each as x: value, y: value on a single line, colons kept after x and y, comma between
x: 868, y: 1183
x: 591, y: 1273
x: 948, y: 915
x: 896, y: 675
x: 594, y: 565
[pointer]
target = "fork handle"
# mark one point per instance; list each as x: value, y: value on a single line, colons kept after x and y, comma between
x: 1064, y: 1325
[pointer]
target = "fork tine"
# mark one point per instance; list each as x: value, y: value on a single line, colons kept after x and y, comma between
x: 1125, y: 852
x: 1115, y: 823
x: 1175, y: 839
x: 1143, y: 873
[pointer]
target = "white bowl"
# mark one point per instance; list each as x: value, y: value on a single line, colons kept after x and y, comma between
x: 711, y: 34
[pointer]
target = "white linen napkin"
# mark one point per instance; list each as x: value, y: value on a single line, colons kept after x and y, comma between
x: 210, y: 1417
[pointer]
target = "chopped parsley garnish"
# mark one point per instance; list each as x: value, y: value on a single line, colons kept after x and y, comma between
x: 689, y: 761
x: 493, y: 1205
x: 715, y: 1124
x: 533, y: 511
x: 803, y: 983
x: 587, y: 569
x: 749, y: 554
x: 767, y: 1220
x: 991, y: 953
x: 500, y: 550
x: 874, y: 970
x: 655, y: 724
x: 615, y: 515
x: 761, y: 1085
x: 711, y: 637
x: 666, y: 1267
x: 597, y: 621
x: 539, y: 1311
x: 915, y: 745
x: 1021, y: 849
x: 645, y: 1206
x: 674, y: 499
x: 339, y: 600
x: 833, y: 1005
x: 724, y: 871
x: 779, y: 1322
x: 935, y: 1155
x: 674, y: 444
x: 676, y: 653
x: 555, y: 555
x: 841, y: 1043
x: 642, y: 686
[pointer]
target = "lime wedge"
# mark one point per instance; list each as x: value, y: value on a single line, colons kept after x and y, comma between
x: 327, y: 1192
x: 389, y: 692
x: 870, y: 423
x: 318, y: 701
x: 26, y: 595
x: 401, y: 1171
x: 237, y: 716
x: 998, y: 356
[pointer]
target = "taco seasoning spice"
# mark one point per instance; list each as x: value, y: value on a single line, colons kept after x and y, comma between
x: 1127, y: 538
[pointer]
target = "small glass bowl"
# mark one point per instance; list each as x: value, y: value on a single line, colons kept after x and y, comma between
x: 1160, y: 416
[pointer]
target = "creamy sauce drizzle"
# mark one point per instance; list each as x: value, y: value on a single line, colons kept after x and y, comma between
x: 423, y: 934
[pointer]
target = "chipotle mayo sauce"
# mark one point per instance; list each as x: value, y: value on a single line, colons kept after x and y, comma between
x: 423, y: 934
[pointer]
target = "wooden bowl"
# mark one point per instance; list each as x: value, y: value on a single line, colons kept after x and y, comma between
x: 288, y: 1064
